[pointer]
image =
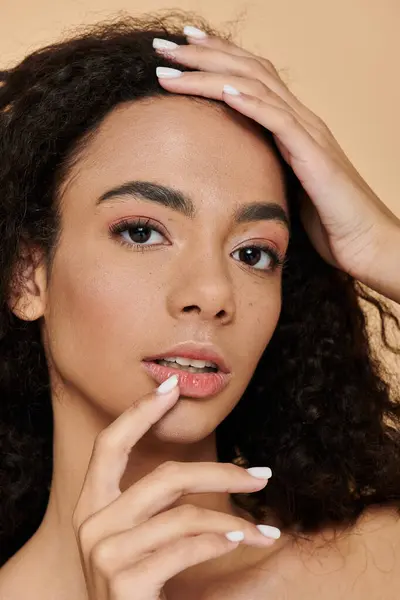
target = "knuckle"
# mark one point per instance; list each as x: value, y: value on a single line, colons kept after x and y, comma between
x: 101, y: 557
x: 319, y: 123
x: 236, y: 469
x: 104, y: 441
x: 253, y: 63
x: 320, y: 127
x: 189, y: 512
x: 288, y: 119
x: 269, y: 66
x: 142, y: 403
x: 320, y: 136
x: 168, y: 468
x: 85, y: 533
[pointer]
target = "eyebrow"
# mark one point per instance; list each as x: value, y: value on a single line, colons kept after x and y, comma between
x: 178, y: 201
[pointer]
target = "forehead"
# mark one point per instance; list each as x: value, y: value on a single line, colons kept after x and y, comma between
x: 203, y: 148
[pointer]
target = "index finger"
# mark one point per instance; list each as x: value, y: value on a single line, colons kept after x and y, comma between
x: 113, y: 445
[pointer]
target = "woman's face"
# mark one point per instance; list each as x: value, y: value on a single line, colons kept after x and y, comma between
x: 111, y: 303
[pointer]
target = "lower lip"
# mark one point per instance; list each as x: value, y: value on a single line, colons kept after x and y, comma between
x: 195, y: 385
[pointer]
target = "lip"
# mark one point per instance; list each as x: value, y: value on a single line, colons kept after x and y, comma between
x: 196, y: 351
x: 193, y: 385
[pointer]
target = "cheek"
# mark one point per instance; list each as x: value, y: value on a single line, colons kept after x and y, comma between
x: 263, y: 316
x: 258, y: 321
x: 96, y: 322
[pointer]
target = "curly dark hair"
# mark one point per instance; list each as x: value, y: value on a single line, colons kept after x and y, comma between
x: 319, y: 409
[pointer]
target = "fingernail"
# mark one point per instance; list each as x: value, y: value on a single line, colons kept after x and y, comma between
x: 161, y: 44
x: 268, y: 531
x: 228, y: 89
x: 235, y: 536
x: 194, y: 32
x: 260, y: 472
x: 167, y: 72
x: 167, y: 385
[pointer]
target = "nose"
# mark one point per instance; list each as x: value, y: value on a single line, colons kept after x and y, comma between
x: 203, y: 287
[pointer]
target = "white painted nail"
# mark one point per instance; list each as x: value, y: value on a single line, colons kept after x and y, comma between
x: 270, y: 532
x: 235, y: 536
x: 167, y: 385
x: 228, y: 89
x: 167, y: 72
x: 260, y: 472
x: 194, y: 32
x: 161, y: 43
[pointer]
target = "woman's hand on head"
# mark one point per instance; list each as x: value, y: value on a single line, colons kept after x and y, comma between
x: 347, y: 223
x: 131, y: 543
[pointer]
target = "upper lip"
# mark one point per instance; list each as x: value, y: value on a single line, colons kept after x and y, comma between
x: 197, y: 351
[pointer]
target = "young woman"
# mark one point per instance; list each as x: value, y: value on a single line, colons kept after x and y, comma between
x: 162, y: 231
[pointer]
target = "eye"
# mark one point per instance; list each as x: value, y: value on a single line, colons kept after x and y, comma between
x: 136, y: 232
x: 267, y: 257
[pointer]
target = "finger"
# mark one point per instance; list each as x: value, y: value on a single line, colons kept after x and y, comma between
x: 111, y: 451
x: 147, y: 577
x: 224, y: 62
x: 210, y: 85
x: 160, y: 488
x: 111, y: 554
x: 217, y: 43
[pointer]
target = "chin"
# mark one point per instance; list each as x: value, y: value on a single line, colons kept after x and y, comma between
x: 187, y: 422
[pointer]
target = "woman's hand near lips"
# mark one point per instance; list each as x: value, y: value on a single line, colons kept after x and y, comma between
x: 130, y: 545
x: 347, y: 223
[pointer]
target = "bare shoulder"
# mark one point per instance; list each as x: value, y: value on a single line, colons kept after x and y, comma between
x: 9, y: 581
x: 16, y: 580
x: 356, y: 563
x: 26, y: 575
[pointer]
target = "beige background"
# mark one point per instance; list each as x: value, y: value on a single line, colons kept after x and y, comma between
x: 340, y: 57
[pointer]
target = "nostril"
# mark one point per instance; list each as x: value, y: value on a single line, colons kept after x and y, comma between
x: 190, y: 308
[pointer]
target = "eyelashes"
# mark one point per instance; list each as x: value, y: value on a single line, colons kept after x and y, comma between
x: 277, y: 260
x: 139, y: 223
x: 145, y: 225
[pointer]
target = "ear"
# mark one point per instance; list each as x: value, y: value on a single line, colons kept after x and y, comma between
x: 28, y: 293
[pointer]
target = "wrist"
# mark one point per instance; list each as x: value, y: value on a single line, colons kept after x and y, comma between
x: 385, y: 276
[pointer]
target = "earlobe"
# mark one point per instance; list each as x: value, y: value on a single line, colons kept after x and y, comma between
x: 29, y: 286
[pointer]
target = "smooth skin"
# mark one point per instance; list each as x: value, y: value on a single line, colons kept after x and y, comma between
x: 108, y: 304
x: 126, y: 545
x: 127, y: 542
x: 349, y: 226
x: 347, y: 223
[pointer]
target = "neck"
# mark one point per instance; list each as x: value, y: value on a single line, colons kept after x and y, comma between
x: 76, y: 425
